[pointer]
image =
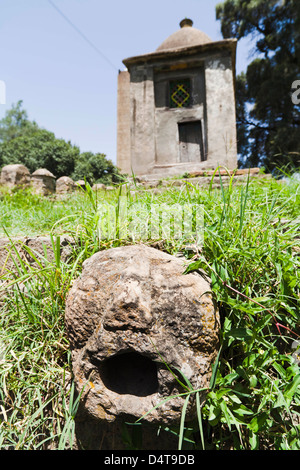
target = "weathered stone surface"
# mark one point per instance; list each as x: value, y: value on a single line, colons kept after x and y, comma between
x: 43, y: 182
x: 42, y: 247
x: 92, y: 434
x: 65, y: 185
x: 7, y: 253
x: 19, y: 254
x: 80, y: 184
x: 15, y: 175
x: 131, y: 311
x: 30, y: 250
x: 98, y: 187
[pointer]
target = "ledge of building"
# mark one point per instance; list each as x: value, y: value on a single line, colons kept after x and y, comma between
x: 211, y: 46
x: 200, y: 177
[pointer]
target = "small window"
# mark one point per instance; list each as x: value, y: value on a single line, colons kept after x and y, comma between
x: 180, y: 93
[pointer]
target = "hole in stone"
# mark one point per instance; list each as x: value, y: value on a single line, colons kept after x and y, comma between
x: 130, y: 373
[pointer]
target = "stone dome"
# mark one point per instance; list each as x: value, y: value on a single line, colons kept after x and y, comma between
x: 43, y: 172
x: 187, y: 36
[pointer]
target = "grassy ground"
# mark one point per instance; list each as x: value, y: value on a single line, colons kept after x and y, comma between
x: 251, y: 252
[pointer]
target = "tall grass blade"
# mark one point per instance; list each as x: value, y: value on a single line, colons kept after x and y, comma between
x: 199, y: 417
x: 182, y: 422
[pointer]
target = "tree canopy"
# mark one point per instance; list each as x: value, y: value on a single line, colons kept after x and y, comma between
x: 268, y: 120
x: 40, y: 149
x: 96, y: 168
x: 16, y: 123
x: 23, y: 141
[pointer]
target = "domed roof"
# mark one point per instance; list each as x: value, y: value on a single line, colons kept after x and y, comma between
x: 42, y: 172
x: 187, y: 36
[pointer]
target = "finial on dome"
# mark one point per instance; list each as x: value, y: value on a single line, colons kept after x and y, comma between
x: 186, y: 22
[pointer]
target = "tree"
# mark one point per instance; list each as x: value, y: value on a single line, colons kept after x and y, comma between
x: 16, y: 123
x: 96, y: 168
x: 40, y: 149
x: 23, y: 141
x: 268, y: 121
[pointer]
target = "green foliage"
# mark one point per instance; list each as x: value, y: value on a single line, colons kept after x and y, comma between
x: 268, y: 121
x: 251, y: 252
x: 26, y: 213
x: 22, y: 141
x: 38, y: 401
x: 96, y: 168
x: 40, y: 149
x: 16, y: 123
x: 252, y: 258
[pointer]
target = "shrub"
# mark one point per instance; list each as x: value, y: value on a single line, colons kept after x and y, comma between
x: 96, y: 169
x: 40, y: 149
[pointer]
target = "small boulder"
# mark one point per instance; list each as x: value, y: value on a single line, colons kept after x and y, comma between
x: 131, y: 317
x: 65, y: 185
x: 80, y: 184
x: 15, y: 176
x: 99, y: 187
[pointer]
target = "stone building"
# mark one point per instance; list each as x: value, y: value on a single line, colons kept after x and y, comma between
x: 176, y: 107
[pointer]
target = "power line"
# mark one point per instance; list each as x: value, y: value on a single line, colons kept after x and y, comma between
x: 82, y: 34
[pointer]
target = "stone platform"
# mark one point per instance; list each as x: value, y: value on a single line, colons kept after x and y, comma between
x: 202, y: 178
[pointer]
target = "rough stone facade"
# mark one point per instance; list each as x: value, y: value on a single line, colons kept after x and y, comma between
x: 157, y: 138
x: 132, y: 312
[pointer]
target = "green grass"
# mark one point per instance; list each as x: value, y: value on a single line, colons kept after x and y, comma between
x: 251, y: 252
x: 24, y: 213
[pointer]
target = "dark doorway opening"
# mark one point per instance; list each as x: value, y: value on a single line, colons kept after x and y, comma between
x: 191, y: 148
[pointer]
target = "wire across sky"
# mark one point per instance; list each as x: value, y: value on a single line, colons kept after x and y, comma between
x: 82, y: 35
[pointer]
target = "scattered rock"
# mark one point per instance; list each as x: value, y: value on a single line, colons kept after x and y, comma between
x: 80, y: 184
x: 99, y: 187
x: 42, y: 247
x: 29, y: 250
x: 65, y: 185
x: 15, y: 176
x: 43, y: 182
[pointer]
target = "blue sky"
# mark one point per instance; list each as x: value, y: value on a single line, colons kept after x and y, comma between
x: 67, y: 86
